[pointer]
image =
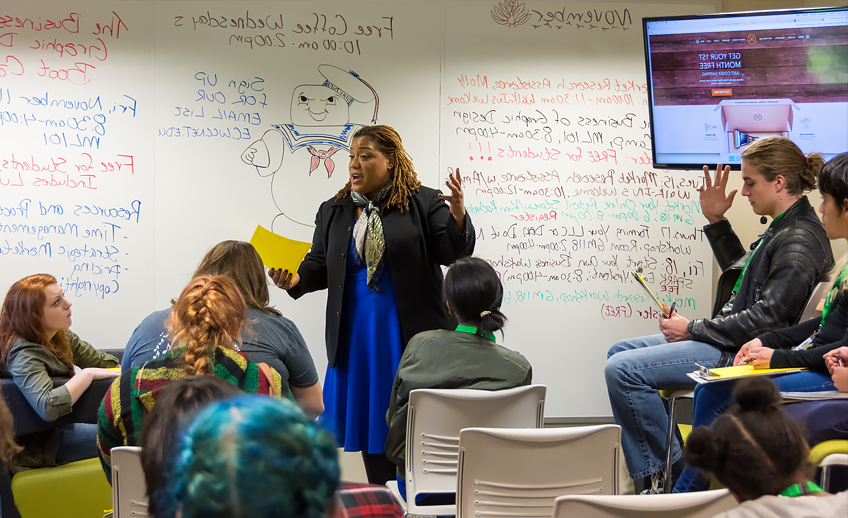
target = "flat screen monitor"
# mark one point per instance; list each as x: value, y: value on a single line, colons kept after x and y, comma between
x: 717, y: 83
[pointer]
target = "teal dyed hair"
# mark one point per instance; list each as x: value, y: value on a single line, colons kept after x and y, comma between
x: 255, y: 456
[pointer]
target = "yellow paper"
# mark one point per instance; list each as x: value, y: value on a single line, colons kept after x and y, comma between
x: 744, y: 370
x: 277, y: 251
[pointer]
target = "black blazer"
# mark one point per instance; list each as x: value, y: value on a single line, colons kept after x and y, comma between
x: 418, y: 240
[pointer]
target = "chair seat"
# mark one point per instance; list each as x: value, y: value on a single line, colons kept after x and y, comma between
x: 823, y: 451
x: 75, y: 490
x: 677, y: 393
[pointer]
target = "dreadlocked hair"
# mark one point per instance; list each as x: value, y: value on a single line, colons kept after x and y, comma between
x: 209, y: 313
x: 404, y: 179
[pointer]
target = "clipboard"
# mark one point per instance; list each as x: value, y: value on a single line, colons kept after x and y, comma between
x: 637, y: 274
x: 705, y: 375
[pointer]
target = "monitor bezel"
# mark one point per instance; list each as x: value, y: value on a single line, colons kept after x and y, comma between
x: 647, y: 50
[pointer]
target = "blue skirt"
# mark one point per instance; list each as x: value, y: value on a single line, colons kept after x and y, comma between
x: 358, y: 389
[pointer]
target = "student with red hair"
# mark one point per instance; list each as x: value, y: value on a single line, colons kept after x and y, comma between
x: 37, y: 344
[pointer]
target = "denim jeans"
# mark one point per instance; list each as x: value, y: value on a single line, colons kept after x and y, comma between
x: 712, y: 399
x: 636, y: 368
x: 79, y: 441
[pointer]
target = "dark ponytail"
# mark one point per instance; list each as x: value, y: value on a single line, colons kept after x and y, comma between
x: 754, y: 448
x: 474, y: 292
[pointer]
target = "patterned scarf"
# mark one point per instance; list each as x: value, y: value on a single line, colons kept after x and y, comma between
x: 368, y: 233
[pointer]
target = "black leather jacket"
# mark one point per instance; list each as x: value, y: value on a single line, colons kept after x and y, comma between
x: 794, y: 256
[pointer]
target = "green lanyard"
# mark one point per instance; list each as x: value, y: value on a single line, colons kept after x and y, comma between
x: 462, y: 328
x: 751, y: 256
x: 798, y: 490
x: 831, y: 295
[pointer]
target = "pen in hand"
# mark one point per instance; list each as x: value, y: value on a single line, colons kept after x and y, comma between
x: 671, y: 310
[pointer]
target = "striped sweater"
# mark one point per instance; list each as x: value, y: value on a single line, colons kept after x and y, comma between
x: 133, y: 394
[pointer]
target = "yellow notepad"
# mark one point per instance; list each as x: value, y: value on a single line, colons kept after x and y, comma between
x: 745, y: 370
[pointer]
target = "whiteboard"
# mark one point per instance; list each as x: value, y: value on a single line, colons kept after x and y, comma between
x: 123, y: 127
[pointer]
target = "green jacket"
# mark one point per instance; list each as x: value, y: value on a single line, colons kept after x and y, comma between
x: 32, y: 366
x: 448, y: 360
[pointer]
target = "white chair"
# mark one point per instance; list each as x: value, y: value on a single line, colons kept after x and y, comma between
x: 520, y: 472
x: 129, y: 491
x: 672, y: 396
x: 435, y: 419
x: 704, y: 504
x: 812, y: 309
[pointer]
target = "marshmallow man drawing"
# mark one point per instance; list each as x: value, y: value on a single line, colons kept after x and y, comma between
x: 312, y: 146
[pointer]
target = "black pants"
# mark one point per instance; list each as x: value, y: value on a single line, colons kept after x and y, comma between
x: 379, y: 468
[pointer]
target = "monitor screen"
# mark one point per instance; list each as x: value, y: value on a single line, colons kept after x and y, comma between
x: 717, y: 83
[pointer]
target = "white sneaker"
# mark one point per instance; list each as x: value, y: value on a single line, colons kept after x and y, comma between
x: 656, y: 484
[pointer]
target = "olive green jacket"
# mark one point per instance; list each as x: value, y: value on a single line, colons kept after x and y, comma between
x: 448, y: 360
x: 32, y: 366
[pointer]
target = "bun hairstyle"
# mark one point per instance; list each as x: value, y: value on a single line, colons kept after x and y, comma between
x: 754, y: 448
x: 22, y: 316
x: 779, y: 156
x: 209, y: 313
x: 177, y: 406
x: 474, y: 292
x: 255, y: 456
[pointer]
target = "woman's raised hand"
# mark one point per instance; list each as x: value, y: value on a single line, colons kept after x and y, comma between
x: 283, y: 279
x: 714, y: 200
x: 456, y: 199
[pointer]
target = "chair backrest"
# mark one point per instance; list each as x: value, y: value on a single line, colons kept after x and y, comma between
x: 519, y: 472
x: 811, y: 310
x: 435, y: 419
x: 129, y: 491
x: 703, y: 504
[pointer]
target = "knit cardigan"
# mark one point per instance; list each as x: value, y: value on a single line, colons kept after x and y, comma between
x: 133, y: 394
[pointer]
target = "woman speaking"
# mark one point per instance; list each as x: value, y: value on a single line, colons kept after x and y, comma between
x: 377, y: 249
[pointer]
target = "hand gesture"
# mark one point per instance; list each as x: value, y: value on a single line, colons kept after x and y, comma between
x: 836, y: 358
x: 97, y: 373
x: 455, y: 199
x: 759, y: 356
x: 714, y: 201
x: 283, y: 279
x: 675, y: 327
x: 742, y: 357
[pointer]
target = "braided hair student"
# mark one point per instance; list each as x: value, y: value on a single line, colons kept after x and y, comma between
x: 205, y: 322
x: 377, y: 250
x: 758, y: 452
